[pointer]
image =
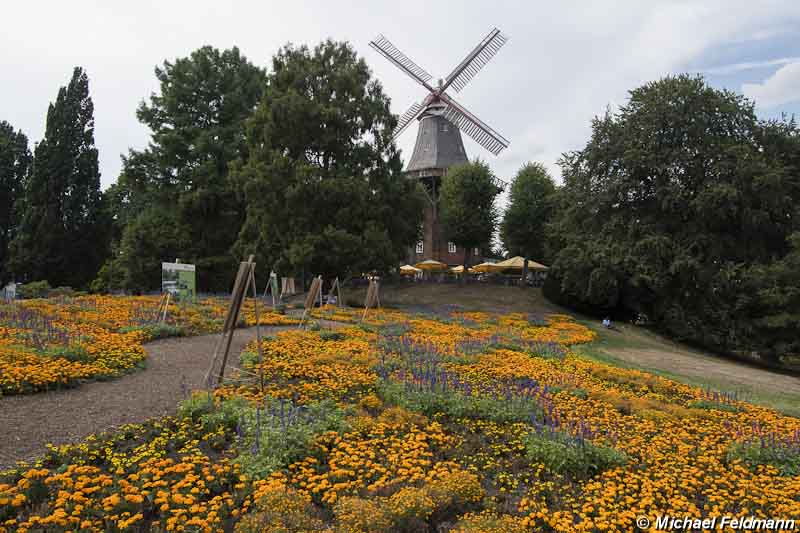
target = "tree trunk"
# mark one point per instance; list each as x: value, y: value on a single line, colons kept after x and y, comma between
x: 525, y: 272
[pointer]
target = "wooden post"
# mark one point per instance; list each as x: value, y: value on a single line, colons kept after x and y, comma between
x: 258, y: 329
x: 166, y: 305
x: 313, y: 292
x: 231, y: 318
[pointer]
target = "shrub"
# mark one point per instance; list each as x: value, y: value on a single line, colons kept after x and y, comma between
x: 61, y: 291
x: 456, y: 404
x: 74, y: 353
x: 562, y: 453
x: 281, y: 433
x: 488, y: 522
x: 784, y: 456
x: 279, y: 509
x: 359, y: 515
x: 331, y: 335
x: 248, y: 359
x: 411, y: 507
x: 34, y: 289
x: 710, y: 404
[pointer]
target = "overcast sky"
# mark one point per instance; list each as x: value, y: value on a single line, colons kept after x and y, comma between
x: 563, y: 64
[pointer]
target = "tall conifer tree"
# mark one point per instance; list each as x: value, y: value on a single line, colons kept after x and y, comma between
x: 15, y: 161
x: 61, y: 236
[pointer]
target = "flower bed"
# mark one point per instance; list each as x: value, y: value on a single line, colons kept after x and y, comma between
x: 54, y: 343
x: 472, y: 422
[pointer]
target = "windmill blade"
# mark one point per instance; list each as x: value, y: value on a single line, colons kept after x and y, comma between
x: 390, y: 52
x: 478, y: 130
x: 475, y: 61
x: 407, y: 118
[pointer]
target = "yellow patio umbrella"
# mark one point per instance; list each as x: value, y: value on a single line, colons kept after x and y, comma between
x: 515, y: 263
x: 460, y: 270
x: 408, y: 270
x: 431, y: 265
x: 487, y: 267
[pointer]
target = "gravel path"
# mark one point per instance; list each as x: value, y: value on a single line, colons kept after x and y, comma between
x: 28, y: 422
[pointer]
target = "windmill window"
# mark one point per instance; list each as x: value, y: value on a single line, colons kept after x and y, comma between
x: 420, y: 247
x: 444, y: 127
x: 451, y: 247
x: 427, y: 146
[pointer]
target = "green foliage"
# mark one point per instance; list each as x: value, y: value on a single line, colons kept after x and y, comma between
x: 282, y: 433
x: 783, y: 456
x: 327, y: 335
x: 709, y: 404
x: 62, y: 234
x: 529, y: 210
x: 323, y: 177
x: 73, y: 353
x: 269, y: 437
x: 681, y: 208
x: 562, y: 453
x: 456, y: 404
x: 467, y: 204
x: 176, y: 198
x: 15, y: 164
x: 34, y: 289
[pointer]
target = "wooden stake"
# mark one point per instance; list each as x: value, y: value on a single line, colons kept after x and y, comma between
x: 258, y: 330
x: 231, y: 318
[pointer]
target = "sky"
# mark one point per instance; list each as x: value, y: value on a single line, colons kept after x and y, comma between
x: 564, y: 63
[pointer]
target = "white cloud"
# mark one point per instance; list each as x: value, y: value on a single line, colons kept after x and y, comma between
x: 780, y: 88
x: 564, y: 62
x: 750, y: 65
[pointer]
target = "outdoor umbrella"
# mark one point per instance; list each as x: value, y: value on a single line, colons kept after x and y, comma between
x: 408, y: 270
x: 515, y: 263
x: 431, y: 265
x: 460, y: 270
x: 487, y: 267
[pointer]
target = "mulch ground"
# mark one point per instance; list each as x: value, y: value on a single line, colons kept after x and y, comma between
x: 28, y: 422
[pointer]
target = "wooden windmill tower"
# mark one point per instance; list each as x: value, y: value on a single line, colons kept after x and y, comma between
x: 439, y: 144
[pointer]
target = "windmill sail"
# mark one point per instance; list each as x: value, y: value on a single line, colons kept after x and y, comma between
x: 411, y: 113
x: 478, y: 130
x: 475, y: 60
x: 390, y: 52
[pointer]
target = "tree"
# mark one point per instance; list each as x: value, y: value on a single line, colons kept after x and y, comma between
x: 530, y: 207
x: 182, y: 179
x: 15, y: 162
x: 467, y: 206
x: 322, y: 181
x: 672, y: 210
x: 62, y: 235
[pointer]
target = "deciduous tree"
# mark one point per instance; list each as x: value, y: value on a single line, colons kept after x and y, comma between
x: 467, y: 206
x: 530, y: 207
x: 182, y: 178
x: 680, y: 208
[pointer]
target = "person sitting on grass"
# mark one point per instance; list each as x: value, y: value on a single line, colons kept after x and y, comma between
x: 607, y: 323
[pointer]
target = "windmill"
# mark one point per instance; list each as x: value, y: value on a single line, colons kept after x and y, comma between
x: 439, y: 144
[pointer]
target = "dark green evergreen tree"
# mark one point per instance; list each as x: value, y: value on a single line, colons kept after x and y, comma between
x: 62, y: 234
x: 323, y: 182
x: 176, y: 198
x: 15, y: 163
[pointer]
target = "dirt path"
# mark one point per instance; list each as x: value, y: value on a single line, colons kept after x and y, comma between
x: 28, y: 422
